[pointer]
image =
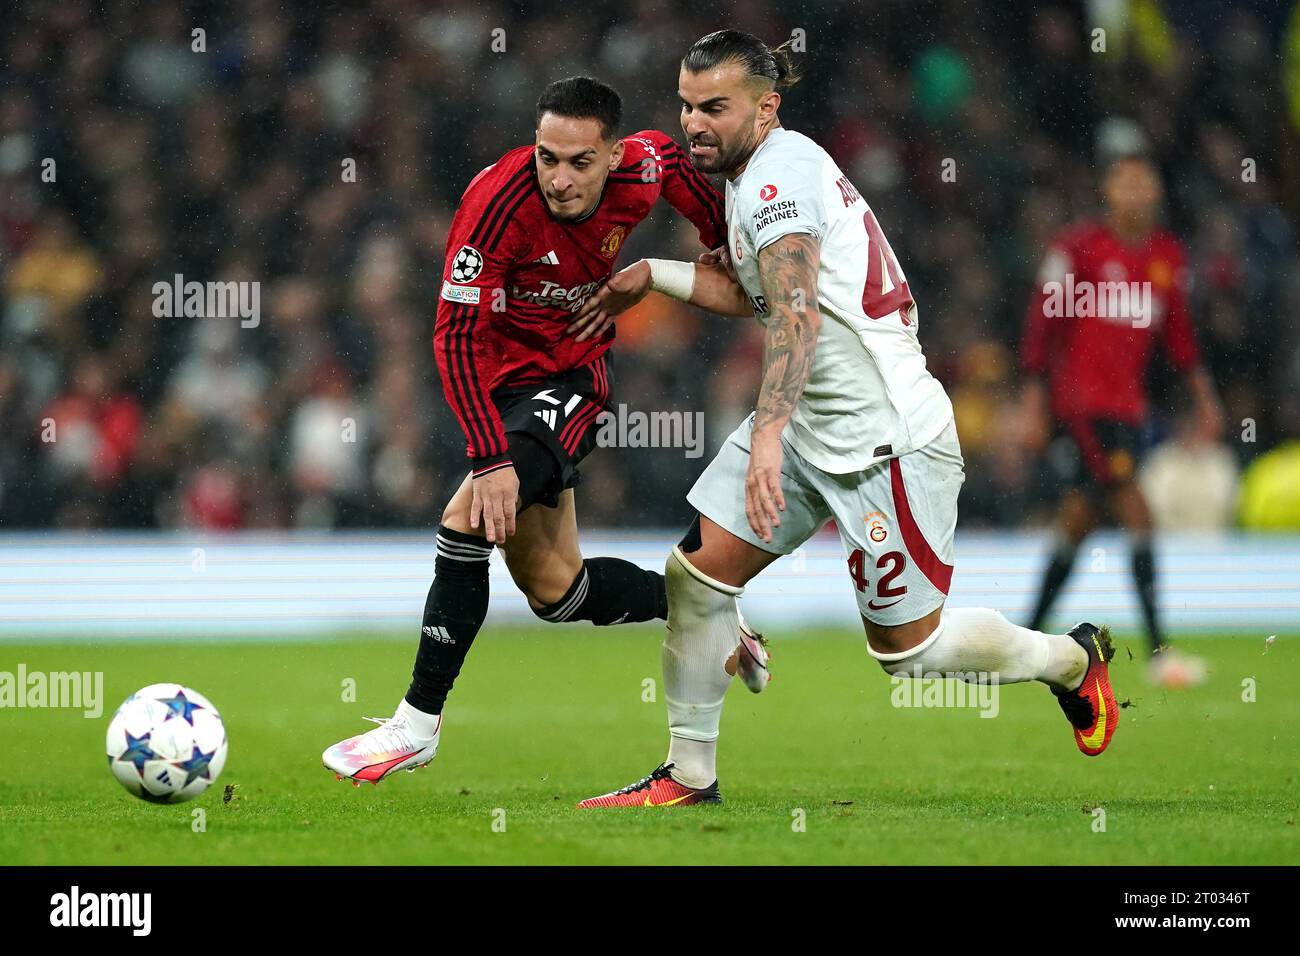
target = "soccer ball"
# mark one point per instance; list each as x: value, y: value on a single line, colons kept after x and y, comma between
x: 166, y: 743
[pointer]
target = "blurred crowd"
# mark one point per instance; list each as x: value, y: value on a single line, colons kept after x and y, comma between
x: 134, y: 149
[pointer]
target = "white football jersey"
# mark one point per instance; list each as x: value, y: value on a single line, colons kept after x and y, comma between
x: 869, y: 395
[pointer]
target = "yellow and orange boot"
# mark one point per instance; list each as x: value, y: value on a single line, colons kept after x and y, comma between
x: 657, y: 790
x: 1090, y: 708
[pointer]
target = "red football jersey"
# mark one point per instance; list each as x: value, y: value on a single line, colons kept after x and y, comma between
x: 1099, y: 307
x: 514, y: 276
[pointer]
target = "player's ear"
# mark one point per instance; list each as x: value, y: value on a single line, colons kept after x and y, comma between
x: 768, y: 105
x: 616, y: 155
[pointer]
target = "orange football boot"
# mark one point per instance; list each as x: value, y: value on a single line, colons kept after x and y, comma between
x: 657, y: 790
x: 1090, y: 708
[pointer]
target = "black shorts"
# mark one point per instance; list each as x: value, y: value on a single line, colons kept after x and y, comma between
x: 1095, y: 453
x: 560, y: 413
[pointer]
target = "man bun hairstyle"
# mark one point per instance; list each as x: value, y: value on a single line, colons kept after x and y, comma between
x: 734, y: 46
x: 582, y: 97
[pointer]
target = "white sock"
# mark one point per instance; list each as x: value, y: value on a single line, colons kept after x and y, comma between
x: 423, y: 726
x: 981, y: 641
x: 695, y: 762
x: 703, y: 630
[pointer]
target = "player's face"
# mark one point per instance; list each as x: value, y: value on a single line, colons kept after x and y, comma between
x: 573, y: 160
x: 1132, y: 191
x: 723, y: 114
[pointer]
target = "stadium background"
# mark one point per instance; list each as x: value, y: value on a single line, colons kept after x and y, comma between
x: 227, y: 164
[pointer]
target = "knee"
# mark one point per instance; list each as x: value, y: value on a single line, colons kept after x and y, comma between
x: 1076, y: 517
x: 544, y: 587
x: 541, y: 602
x: 694, y: 596
x: 906, y: 662
x: 895, y: 646
x: 456, y: 516
x: 1138, y: 516
x: 1075, y: 533
x: 542, y: 591
x: 887, y: 641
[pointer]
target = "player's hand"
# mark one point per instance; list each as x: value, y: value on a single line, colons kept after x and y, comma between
x: 495, y: 497
x: 720, y: 256
x: 620, y: 292
x: 764, y: 501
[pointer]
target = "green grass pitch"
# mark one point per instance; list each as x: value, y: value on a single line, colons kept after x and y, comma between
x: 544, y: 717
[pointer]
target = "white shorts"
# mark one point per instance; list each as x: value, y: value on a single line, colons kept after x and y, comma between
x: 896, y: 519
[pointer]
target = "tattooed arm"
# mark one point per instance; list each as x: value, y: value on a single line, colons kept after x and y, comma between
x: 788, y: 270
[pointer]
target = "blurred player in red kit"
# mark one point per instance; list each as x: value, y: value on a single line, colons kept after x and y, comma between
x: 1109, y: 292
x: 535, y: 234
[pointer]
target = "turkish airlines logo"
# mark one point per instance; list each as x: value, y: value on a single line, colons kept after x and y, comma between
x: 767, y: 193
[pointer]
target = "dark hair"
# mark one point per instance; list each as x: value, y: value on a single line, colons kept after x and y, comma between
x: 582, y: 97
x: 733, y: 46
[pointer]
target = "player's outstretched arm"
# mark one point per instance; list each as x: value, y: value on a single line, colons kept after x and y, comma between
x: 788, y: 270
x: 473, y: 271
x: 705, y: 284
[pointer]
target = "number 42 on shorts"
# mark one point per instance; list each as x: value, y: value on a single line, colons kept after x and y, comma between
x: 893, y: 563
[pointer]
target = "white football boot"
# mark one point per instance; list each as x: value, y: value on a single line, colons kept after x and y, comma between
x: 388, y: 748
x: 749, y: 660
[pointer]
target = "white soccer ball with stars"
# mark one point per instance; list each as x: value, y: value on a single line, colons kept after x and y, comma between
x: 467, y: 264
x: 166, y: 743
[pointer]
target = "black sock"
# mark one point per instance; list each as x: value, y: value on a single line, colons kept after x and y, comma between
x: 610, y: 591
x: 1144, y: 575
x: 453, y: 613
x: 1053, y: 579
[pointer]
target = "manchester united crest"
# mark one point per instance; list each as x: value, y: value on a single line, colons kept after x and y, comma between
x: 609, y: 248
